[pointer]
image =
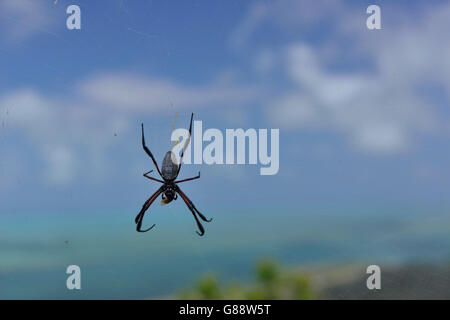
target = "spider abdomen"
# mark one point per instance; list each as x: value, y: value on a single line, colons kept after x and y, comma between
x: 169, y: 166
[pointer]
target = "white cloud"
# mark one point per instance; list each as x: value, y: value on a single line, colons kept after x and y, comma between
x: 135, y: 93
x: 256, y: 15
x: 26, y: 107
x: 80, y: 126
x: 20, y: 19
x: 61, y: 161
x: 381, y: 107
x: 375, y: 116
x: 381, y: 137
x: 417, y: 52
x: 56, y: 128
x: 285, y: 15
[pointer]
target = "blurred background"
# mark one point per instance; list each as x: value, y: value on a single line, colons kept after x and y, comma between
x: 364, y: 125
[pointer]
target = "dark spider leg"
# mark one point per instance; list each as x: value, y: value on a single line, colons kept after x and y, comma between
x: 151, y: 178
x: 202, y: 231
x: 147, y: 204
x: 197, y: 177
x: 185, y: 197
x: 147, y: 150
x: 185, y: 145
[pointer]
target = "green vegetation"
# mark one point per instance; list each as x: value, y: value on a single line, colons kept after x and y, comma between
x: 272, y: 283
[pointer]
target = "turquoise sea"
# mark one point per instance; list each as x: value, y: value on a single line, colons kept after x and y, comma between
x: 118, y: 263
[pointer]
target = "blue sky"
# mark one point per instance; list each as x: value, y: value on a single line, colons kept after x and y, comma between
x: 363, y: 115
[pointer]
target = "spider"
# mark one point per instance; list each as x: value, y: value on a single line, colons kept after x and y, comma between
x: 169, y: 190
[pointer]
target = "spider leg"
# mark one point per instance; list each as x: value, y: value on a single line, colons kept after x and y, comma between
x: 202, y: 231
x: 185, y: 145
x: 147, y: 204
x: 151, y: 178
x: 193, y: 210
x: 147, y: 150
x: 189, y: 179
x: 186, y: 199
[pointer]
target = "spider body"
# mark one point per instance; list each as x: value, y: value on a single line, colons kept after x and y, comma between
x: 169, y: 191
x: 169, y: 168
